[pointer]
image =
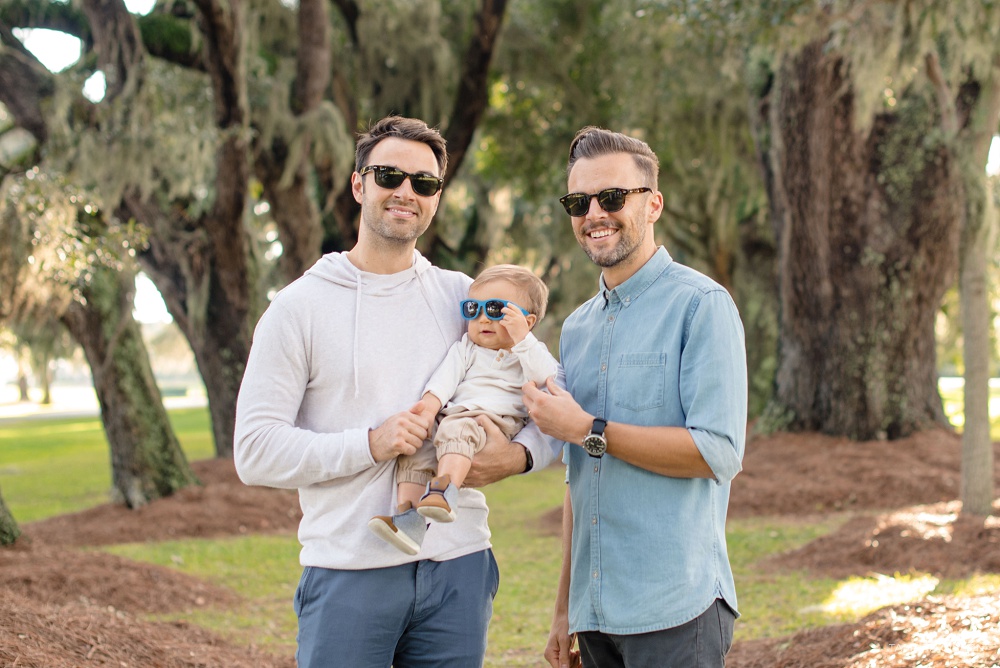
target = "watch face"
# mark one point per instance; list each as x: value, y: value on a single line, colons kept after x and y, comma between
x: 595, y: 445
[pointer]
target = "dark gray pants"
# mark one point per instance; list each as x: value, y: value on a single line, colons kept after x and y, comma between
x: 701, y: 643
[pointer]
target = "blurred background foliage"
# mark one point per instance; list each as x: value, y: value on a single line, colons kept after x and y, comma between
x: 681, y: 74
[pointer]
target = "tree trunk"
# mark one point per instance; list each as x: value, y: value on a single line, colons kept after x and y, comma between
x: 978, y: 239
x: 9, y: 531
x: 202, y: 267
x: 22, y: 385
x: 146, y: 460
x: 472, y: 97
x: 977, y: 448
x: 212, y: 313
x: 44, y: 372
x: 867, y: 225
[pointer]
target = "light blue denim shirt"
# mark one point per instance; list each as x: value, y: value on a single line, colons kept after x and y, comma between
x: 663, y: 348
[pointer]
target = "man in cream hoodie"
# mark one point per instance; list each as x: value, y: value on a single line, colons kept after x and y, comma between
x: 328, y: 401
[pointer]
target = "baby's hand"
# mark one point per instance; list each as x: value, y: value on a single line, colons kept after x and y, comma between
x: 515, y: 322
x: 428, y: 406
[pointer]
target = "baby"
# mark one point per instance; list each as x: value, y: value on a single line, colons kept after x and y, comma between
x: 481, y: 375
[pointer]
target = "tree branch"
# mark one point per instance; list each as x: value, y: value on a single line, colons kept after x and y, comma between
x: 118, y: 44
x: 312, y: 73
x: 945, y: 98
x: 24, y: 84
x: 62, y: 16
x: 473, y: 87
x: 223, y: 26
x: 349, y: 10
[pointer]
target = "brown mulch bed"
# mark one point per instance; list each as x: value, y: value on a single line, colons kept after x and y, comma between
x: 65, y: 607
x: 929, y: 539
x: 72, y: 634
x: 220, y: 506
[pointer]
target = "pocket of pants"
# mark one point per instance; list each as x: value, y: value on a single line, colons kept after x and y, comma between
x: 301, y: 593
x: 495, y: 572
x: 641, y: 381
x: 727, y: 624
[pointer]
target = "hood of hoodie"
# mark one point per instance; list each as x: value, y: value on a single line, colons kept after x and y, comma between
x: 338, y: 269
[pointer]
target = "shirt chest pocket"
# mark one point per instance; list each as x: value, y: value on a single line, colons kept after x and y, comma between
x: 641, y: 378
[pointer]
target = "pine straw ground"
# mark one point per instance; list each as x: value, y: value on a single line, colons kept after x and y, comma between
x: 61, y: 607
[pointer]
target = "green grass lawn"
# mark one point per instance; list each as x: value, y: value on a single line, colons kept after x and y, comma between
x: 50, y: 467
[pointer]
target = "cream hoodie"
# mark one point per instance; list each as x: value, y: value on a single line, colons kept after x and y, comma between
x: 337, y: 352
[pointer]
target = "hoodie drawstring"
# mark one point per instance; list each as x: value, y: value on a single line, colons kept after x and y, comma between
x: 357, y: 336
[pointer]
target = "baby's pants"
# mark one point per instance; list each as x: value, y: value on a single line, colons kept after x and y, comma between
x: 457, y: 433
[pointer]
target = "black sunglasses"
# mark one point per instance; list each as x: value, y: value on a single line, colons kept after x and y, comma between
x: 493, y: 307
x: 391, y: 178
x: 611, y: 200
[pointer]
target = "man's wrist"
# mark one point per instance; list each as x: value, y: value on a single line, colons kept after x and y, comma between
x: 529, y: 461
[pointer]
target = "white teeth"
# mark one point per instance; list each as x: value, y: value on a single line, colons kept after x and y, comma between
x: 600, y: 234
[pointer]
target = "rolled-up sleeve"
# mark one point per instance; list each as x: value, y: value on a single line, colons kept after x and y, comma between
x: 713, y: 385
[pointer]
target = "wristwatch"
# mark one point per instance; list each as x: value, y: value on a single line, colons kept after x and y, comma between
x: 594, y: 443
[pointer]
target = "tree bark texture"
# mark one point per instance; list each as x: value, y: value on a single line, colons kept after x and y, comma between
x: 9, y: 531
x: 146, y: 459
x: 867, y: 229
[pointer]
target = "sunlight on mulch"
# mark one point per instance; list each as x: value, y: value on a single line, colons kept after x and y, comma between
x: 936, y: 632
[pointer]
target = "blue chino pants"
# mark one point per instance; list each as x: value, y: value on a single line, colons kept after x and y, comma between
x: 418, y: 615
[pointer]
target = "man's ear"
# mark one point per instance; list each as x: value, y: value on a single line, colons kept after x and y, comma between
x: 357, y: 187
x: 655, y: 206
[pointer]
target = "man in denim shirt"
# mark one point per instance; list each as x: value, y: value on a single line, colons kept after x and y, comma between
x: 654, y: 420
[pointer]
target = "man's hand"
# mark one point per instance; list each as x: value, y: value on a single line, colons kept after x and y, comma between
x: 498, y: 459
x: 559, y: 650
x: 556, y: 412
x: 400, y: 434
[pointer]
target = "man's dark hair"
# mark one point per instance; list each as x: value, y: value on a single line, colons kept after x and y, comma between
x: 593, y: 142
x: 402, y: 128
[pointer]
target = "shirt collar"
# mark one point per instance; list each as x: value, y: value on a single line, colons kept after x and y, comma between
x: 637, y: 283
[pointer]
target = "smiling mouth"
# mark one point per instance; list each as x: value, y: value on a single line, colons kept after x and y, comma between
x: 397, y: 211
x: 601, y: 233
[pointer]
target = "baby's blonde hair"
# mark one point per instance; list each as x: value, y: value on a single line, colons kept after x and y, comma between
x: 524, y: 279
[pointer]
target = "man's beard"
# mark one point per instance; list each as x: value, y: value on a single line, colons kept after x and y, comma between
x: 390, y: 232
x: 630, y: 237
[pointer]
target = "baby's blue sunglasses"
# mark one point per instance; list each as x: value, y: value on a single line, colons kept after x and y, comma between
x: 493, y: 307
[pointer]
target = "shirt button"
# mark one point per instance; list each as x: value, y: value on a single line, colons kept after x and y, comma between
x: 595, y: 575
x: 611, y: 318
x: 595, y: 468
x: 594, y: 521
x: 604, y: 367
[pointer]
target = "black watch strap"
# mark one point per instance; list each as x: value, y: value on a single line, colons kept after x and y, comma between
x: 599, y: 426
x: 529, y: 461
